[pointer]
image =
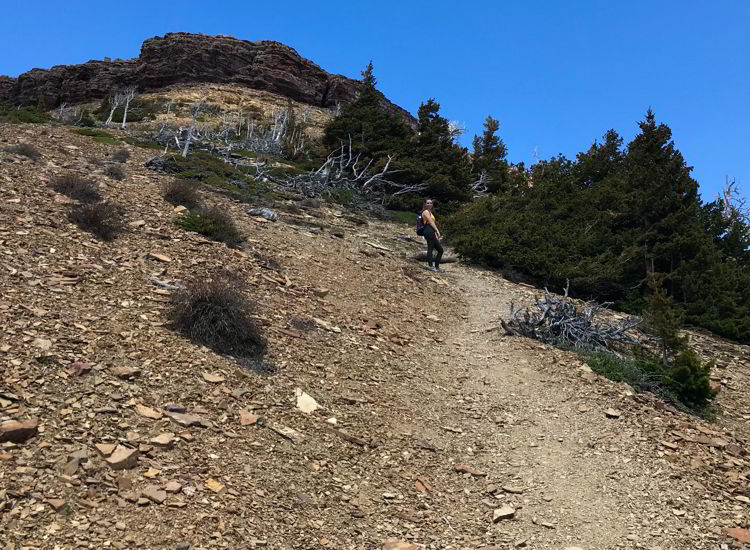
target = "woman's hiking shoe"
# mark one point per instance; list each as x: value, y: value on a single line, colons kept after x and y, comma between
x: 439, y: 270
x: 430, y: 268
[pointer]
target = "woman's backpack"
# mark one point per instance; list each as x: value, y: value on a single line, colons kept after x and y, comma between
x: 420, y: 225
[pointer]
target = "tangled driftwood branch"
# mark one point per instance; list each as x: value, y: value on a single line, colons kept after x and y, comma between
x: 559, y: 321
x: 343, y: 169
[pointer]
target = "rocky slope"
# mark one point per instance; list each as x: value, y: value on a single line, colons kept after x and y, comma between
x: 447, y: 434
x: 182, y: 58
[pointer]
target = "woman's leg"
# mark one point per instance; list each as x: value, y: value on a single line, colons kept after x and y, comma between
x: 430, y: 245
x: 439, y: 255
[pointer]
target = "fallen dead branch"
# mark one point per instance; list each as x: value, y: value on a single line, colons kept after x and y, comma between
x: 560, y: 322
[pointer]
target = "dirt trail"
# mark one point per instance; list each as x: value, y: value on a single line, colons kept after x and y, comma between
x: 575, y: 477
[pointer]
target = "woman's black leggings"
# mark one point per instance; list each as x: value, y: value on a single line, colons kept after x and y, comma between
x: 433, y: 243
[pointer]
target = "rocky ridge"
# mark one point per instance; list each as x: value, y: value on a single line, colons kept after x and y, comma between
x: 184, y: 58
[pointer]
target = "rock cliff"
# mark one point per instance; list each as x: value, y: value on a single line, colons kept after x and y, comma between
x: 188, y: 58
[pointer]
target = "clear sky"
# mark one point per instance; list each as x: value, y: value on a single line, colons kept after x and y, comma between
x: 557, y: 74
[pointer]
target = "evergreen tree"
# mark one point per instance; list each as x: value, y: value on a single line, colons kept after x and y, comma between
x: 490, y: 157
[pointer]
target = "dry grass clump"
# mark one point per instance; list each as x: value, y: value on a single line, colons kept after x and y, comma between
x: 121, y: 155
x: 26, y: 150
x: 115, y: 172
x: 102, y: 219
x: 77, y: 187
x: 217, y: 314
x: 181, y: 192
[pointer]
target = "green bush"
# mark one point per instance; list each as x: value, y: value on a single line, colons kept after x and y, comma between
x: 685, y: 382
x: 22, y: 115
x: 342, y: 196
x: 206, y: 168
x: 143, y: 143
x: 214, y: 224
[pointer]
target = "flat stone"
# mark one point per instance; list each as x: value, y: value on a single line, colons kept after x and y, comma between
x: 188, y: 420
x: 154, y: 494
x: 506, y: 512
x: 123, y: 458
x: 56, y: 503
x: 147, y: 412
x: 612, y: 413
x: 158, y: 257
x: 213, y: 378
x: 395, y: 544
x: 18, y: 431
x: 173, y: 487
x: 214, y: 485
x: 126, y: 373
x: 163, y: 441
x: 247, y: 418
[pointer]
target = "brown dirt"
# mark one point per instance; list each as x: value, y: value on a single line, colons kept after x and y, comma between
x: 415, y: 398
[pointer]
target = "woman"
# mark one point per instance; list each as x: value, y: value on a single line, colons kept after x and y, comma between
x: 432, y: 235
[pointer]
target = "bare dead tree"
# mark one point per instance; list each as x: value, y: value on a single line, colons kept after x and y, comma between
x: 61, y: 111
x: 115, y: 100
x: 479, y: 187
x: 128, y: 94
x: 733, y: 203
x: 195, y: 109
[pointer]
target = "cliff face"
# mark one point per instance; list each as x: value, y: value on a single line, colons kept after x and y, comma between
x: 188, y: 58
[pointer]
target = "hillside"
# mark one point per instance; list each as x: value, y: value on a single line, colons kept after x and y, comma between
x: 447, y: 434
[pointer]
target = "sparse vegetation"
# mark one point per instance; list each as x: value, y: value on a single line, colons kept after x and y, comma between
x: 181, y: 192
x: 217, y: 314
x: 213, y: 223
x: 26, y: 150
x: 100, y: 136
x: 121, y: 155
x: 685, y: 382
x: 102, y: 219
x: 18, y: 115
x: 77, y: 187
x: 115, y: 172
x: 209, y: 169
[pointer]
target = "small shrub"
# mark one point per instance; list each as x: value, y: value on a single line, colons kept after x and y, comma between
x: 685, y: 382
x: 76, y: 187
x: 92, y: 132
x: 213, y: 223
x: 102, y: 219
x: 100, y: 136
x: 215, y: 313
x: 26, y: 150
x: 342, y: 196
x: 115, y: 172
x: 691, y: 380
x: 121, y: 155
x: 181, y: 192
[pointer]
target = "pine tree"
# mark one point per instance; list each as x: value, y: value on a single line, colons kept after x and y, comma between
x: 490, y: 157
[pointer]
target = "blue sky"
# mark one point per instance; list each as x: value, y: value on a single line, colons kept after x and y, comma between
x: 556, y: 74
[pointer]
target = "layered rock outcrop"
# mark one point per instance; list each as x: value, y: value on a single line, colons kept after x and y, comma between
x: 188, y: 58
